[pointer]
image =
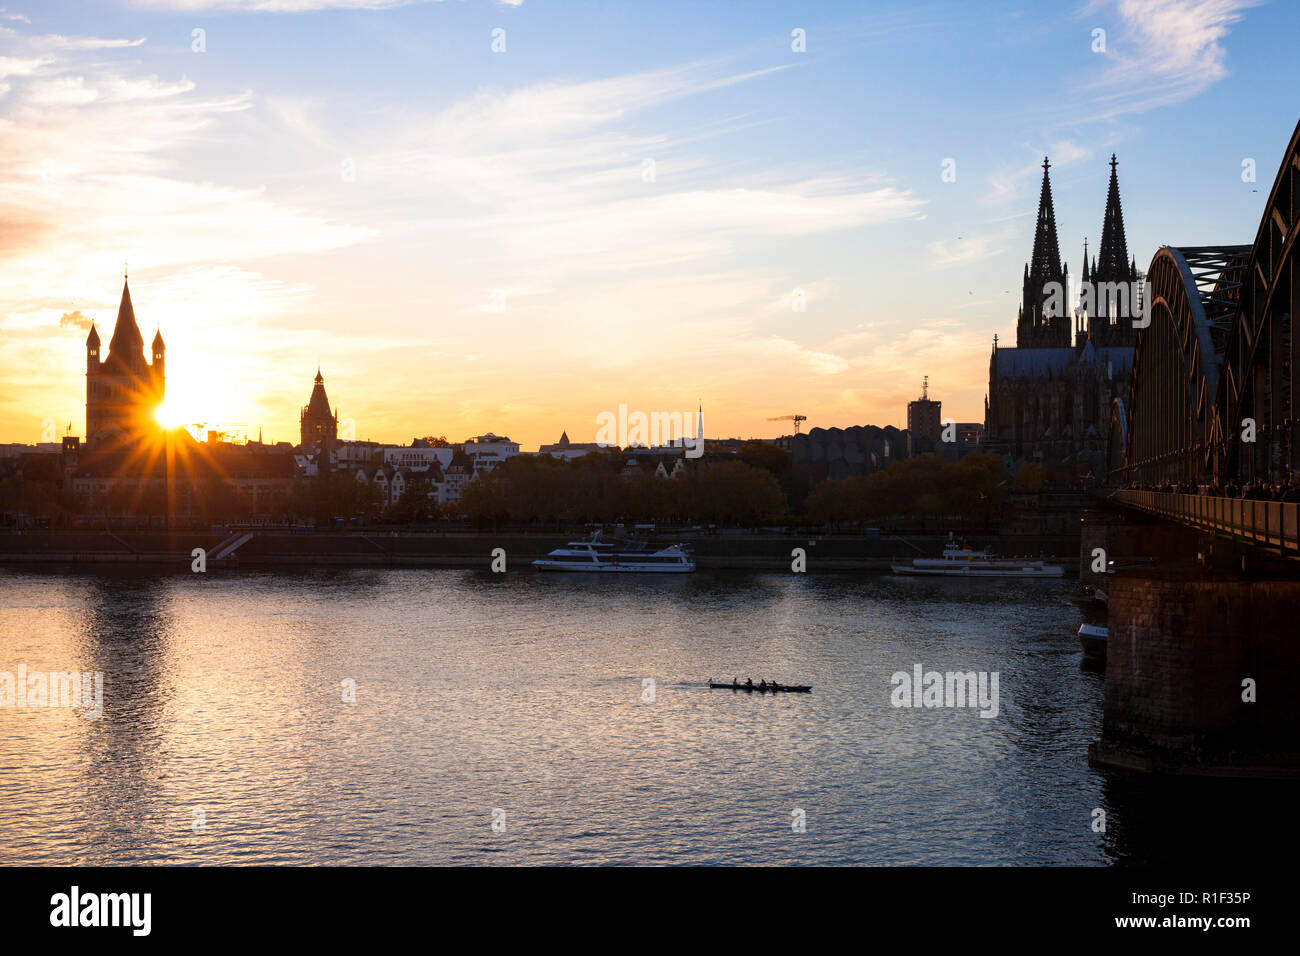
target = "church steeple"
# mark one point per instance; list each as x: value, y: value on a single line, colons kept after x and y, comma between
x: 1046, y: 259
x: 318, y: 425
x: 1113, y: 260
x: 1114, y: 276
x: 127, y: 344
x: 1035, y: 328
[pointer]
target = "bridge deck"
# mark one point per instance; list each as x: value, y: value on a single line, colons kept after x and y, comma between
x: 1270, y: 524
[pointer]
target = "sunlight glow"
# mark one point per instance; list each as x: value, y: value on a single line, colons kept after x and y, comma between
x: 169, y: 415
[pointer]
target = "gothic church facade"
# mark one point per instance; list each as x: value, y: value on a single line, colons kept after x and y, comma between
x: 1049, y: 398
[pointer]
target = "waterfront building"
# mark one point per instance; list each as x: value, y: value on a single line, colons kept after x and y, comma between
x: 455, y: 477
x: 569, y: 450
x: 490, y: 451
x: 348, y: 454
x: 418, y: 455
x: 837, y: 453
x: 393, y: 482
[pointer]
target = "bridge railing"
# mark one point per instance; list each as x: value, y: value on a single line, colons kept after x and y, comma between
x: 1273, y: 524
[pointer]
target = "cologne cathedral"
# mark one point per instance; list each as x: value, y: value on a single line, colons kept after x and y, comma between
x: 1049, y: 398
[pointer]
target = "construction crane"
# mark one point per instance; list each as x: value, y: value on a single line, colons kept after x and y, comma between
x: 790, y: 418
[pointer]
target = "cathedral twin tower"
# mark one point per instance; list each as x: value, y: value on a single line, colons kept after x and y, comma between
x: 1040, y: 324
x: 1051, y: 399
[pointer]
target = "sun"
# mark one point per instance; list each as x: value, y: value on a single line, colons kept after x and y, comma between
x: 183, y: 404
x: 168, y: 415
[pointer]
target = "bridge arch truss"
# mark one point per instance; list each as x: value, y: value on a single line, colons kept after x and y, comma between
x: 1213, y: 368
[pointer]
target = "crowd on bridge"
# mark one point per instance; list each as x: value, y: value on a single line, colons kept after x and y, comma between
x: 1247, y: 491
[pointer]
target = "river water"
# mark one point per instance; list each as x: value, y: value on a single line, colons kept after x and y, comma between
x: 511, y: 719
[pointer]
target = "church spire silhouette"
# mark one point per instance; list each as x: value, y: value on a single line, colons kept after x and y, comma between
x: 1034, y: 327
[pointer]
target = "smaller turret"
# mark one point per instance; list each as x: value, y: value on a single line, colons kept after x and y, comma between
x: 92, y: 348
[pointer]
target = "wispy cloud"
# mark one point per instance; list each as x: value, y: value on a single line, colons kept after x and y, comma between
x: 1162, y: 52
x: 623, y: 244
x: 963, y: 250
x: 1019, y: 182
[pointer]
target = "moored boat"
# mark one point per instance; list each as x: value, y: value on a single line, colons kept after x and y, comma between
x: 1093, y: 639
x: 961, y: 560
x: 597, y: 555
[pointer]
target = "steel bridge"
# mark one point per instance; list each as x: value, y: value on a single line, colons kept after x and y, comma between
x: 1213, y: 407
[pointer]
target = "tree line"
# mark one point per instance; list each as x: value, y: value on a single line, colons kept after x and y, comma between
x: 756, y: 486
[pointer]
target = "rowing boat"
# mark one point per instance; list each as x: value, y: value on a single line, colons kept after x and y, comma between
x: 774, y: 688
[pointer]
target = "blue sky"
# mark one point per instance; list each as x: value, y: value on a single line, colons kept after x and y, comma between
x: 466, y: 240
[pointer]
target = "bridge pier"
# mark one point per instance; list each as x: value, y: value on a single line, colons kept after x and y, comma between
x: 1202, y: 659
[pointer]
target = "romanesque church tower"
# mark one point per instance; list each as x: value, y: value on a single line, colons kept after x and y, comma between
x: 124, y: 390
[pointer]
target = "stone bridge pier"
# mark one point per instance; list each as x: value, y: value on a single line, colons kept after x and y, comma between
x: 1203, y: 652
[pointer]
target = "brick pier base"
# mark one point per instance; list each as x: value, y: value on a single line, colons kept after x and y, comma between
x: 1180, y: 646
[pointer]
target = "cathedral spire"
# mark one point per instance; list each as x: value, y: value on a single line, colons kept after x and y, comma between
x: 1037, y: 325
x: 1113, y: 260
x: 1046, y: 261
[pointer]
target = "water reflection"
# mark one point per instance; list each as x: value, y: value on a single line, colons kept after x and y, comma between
x: 225, y: 695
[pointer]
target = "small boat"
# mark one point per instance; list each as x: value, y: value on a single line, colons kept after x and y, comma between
x: 960, y: 560
x: 770, y: 688
x: 1093, y: 638
x: 595, y: 555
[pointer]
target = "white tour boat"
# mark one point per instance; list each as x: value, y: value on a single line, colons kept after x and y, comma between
x: 605, y: 556
x: 960, y: 560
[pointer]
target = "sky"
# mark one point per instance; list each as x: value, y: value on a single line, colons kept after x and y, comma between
x: 481, y: 216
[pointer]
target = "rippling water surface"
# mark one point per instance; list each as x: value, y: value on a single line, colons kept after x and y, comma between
x: 524, y: 693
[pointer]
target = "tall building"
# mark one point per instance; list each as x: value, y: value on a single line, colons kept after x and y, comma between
x: 923, y: 415
x: 319, y: 427
x: 1050, y: 400
x: 123, y: 391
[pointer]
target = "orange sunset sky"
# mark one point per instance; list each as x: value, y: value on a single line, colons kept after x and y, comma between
x: 613, y: 208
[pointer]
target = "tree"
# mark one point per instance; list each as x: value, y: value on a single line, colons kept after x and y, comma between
x: 730, y: 492
x: 1030, y: 476
x: 484, y: 499
x: 922, y: 488
x: 416, y: 503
